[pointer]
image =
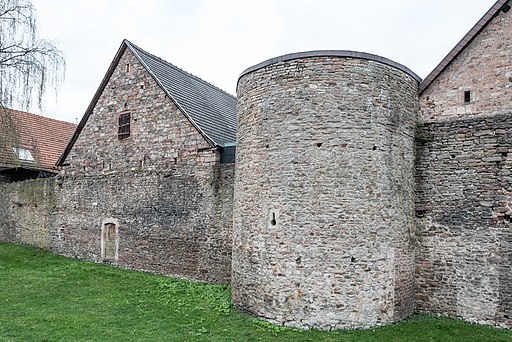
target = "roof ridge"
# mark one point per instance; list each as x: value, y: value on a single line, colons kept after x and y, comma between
x: 178, y: 68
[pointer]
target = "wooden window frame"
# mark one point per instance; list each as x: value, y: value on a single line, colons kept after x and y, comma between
x: 124, y: 129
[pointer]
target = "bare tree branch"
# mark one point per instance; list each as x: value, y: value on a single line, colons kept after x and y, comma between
x: 28, y: 65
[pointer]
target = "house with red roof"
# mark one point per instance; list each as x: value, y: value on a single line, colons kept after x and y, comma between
x: 31, y: 144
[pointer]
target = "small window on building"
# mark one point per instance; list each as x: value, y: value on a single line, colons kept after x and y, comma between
x: 467, y: 96
x: 127, y: 67
x: 123, y: 130
x: 23, y: 154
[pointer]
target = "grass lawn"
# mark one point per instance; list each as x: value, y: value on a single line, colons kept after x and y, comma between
x: 44, y: 297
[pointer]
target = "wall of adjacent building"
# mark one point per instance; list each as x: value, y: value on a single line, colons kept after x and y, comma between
x: 464, y: 229
x: 464, y: 184
x: 484, y: 68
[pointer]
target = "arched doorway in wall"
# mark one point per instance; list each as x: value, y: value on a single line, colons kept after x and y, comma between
x: 110, y: 240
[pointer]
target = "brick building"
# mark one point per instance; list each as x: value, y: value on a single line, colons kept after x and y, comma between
x: 151, y: 163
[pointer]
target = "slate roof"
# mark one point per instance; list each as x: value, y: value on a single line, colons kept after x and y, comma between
x: 43, y: 137
x: 211, y: 110
x: 463, y: 43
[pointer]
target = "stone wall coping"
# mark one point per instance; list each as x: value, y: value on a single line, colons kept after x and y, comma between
x: 331, y: 53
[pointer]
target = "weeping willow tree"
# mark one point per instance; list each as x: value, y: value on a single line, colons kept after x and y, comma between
x: 29, y: 65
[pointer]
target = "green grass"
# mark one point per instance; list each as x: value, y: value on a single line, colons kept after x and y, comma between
x: 44, y: 297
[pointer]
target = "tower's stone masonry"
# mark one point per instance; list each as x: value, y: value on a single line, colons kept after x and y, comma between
x: 323, y: 207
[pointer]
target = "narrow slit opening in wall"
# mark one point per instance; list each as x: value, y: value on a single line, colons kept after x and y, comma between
x: 467, y: 96
x: 127, y: 67
x: 273, y: 220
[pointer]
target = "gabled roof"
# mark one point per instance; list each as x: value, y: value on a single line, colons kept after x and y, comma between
x: 42, y: 137
x: 464, y: 42
x: 211, y: 110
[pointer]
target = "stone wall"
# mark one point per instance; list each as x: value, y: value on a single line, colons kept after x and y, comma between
x: 464, y: 201
x: 324, y: 184
x: 26, y: 208
x: 170, y: 223
x: 158, y: 200
x: 163, y: 184
x: 484, y: 68
x: 167, y: 222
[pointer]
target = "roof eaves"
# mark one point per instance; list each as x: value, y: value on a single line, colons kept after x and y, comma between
x: 157, y: 80
x: 93, y: 102
x: 462, y: 44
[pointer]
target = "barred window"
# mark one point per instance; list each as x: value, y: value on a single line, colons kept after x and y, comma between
x: 123, y: 130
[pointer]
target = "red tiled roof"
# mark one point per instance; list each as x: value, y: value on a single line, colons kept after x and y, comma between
x: 464, y: 42
x: 43, y: 137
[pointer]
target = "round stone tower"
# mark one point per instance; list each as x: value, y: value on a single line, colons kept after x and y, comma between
x: 324, y: 201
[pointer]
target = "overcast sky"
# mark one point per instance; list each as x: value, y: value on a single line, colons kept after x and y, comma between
x: 217, y: 39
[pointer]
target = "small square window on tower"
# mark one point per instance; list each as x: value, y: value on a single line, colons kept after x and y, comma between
x: 123, y: 129
x: 467, y: 96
